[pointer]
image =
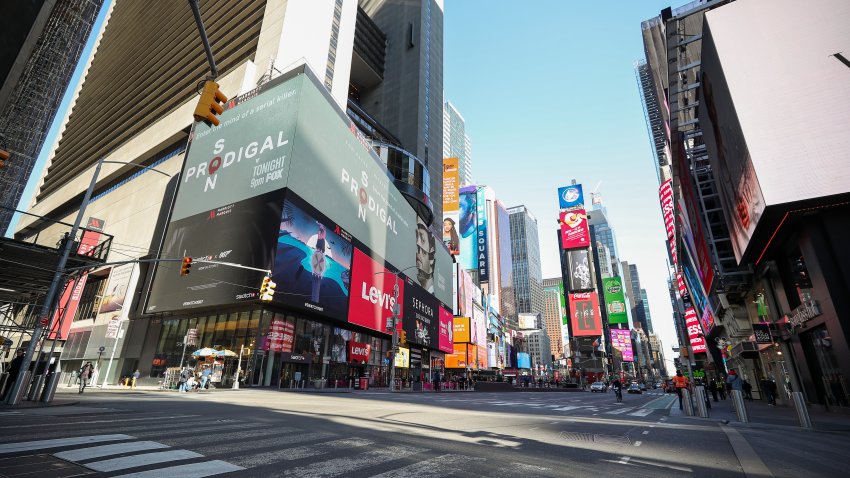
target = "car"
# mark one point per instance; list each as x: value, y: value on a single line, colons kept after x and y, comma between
x: 634, y: 388
x: 642, y: 387
x: 598, y: 387
x: 670, y: 387
x: 657, y: 385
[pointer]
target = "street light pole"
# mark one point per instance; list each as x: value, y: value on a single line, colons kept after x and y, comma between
x: 395, y: 322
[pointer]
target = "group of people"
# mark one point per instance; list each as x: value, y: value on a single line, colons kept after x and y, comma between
x: 720, y: 387
x: 190, y: 380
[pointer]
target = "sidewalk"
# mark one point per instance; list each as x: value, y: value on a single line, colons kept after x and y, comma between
x: 762, y: 415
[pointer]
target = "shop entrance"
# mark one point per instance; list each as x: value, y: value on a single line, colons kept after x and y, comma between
x: 294, y: 375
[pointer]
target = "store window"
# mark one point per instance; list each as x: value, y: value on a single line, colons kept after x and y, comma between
x: 826, y: 370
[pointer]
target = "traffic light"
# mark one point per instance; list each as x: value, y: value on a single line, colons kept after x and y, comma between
x: 186, y: 267
x: 4, y: 155
x: 208, y: 106
x: 402, y: 337
x: 267, y: 289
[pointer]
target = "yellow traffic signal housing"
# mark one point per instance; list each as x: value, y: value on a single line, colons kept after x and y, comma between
x: 267, y: 289
x: 402, y: 337
x: 186, y: 266
x: 4, y: 155
x: 208, y: 106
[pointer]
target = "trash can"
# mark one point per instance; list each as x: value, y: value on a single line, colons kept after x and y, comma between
x: 364, y: 384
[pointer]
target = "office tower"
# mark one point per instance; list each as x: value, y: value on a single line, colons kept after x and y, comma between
x: 456, y: 142
x: 554, y: 315
x: 525, y: 249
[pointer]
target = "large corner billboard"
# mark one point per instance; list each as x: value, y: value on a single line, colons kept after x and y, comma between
x: 286, y: 183
x: 621, y: 339
x: 575, y: 232
x: 615, y: 300
x: 467, y: 228
x: 584, y: 308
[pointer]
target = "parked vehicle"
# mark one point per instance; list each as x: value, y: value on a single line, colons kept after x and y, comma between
x: 598, y: 387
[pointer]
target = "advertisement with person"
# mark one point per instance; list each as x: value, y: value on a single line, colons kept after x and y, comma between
x: 402, y: 358
x: 313, y: 261
x: 580, y: 273
x: 468, y: 228
x: 621, y: 339
x: 479, y: 327
x: 421, y: 315
x: 571, y: 197
x: 584, y: 308
x: 242, y: 233
x: 451, y: 205
x: 372, y: 293
x: 425, y: 256
x: 575, y: 232
x: 615, y: 300
x: 116, y: 290
x: 446, y: 331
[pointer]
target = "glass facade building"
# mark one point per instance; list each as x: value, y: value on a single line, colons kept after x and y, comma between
x: 525, y: 249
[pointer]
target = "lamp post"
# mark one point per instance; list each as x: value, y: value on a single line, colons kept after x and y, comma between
x: 394, y: 322
x: 44, y: 315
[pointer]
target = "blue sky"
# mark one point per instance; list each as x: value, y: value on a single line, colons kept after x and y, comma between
x: 548, y: 92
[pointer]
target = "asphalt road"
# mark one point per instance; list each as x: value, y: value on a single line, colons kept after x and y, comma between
x: 267, y: 433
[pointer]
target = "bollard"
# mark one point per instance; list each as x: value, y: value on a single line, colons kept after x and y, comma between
x: 802, y: 410
x: 35, y: 387
x: 700, y: 399
x: 687, y: 405
x: 14, y: 400
x: 740, y: 406
x: 50, y: 387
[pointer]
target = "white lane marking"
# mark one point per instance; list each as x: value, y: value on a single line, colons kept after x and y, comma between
x: 663, y: 419
x: 300, y: 452
x: 192, y: 470
x: 624, y: 460
x: 652, y: 426
x: 106, y: 450
x: 58, y: 442
x: 133, y: 461
x: 646, y: 432
x: 565, y: 409
x: 553, y: 423
x: 642, y: 412
x: 343, y: 466
x: 437, y: 467
x: 619, y: 411
x: 638, y: 443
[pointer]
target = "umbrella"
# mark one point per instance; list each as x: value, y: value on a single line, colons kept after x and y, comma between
x: 204, y: 352
x: 225, y: 353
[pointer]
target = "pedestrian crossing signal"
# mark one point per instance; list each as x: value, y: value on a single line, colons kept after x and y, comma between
x: 186, y: 267
x: 267, y: 289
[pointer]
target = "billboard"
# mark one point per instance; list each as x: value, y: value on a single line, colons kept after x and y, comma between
x: 571, y: 197
x: 286, y: 134
x: 615, y: 300
x: 451, y: 205
x: 446, y: 330
x: 565, y: 319
x: 574, y: 230
x: 467, y: 228
x: 580, y: 270
x: 442, y: 277
x: 373, y: 288
x: 481, y: 237
x: 115, y: 294
x: 694, y: 331
x: 461, y: 327
x: 312, y: 262
x: 583, y: 310
x: 621, y: 339
x: 523, y: 360
x: 527, y: 321
x: 421, y: 315
x: 478, y: 335
x: 402, y: 358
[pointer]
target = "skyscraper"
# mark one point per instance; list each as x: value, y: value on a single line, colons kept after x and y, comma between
x: 525, y: 249
x: 631, y: 279
x: 456, y: 142
x: 554, y: 314
x: 646, y: 313
x: 609, y: 256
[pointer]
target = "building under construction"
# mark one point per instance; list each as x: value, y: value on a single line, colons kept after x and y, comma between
x: 43, y: 41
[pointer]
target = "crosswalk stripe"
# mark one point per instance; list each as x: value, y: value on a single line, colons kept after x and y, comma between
x: 439, y: 466
x: 342, y: 466
x: 265, y: 458
x: 566, y: 409
x: 106, y: 450
x: 300, y: 452
x: 55, y: 424
x: 233, y: 438
x: 192, y: 470
x: 115, y: 464
x: 641, y: 412
x: 59, y: 442
x: 617, y: 412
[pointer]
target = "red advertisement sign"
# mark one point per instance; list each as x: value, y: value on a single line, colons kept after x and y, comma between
x: 91, y: 236
x: 665, y: 192
x: 281, y: 336
x: 694, y: 331
x: 680, y: 281
x: 574, y: 230
x: 67, y: 307
x: 446, y: 332
x: 372, y: 293
x: 584, y: 308
x: 358, y: 352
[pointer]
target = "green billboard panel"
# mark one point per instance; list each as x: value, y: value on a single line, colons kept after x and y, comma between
x: 615, y: 300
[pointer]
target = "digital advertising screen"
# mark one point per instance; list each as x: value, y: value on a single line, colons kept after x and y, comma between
x: 583, y: 310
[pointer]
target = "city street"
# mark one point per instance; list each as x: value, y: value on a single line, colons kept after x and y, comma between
x: 270, y: 433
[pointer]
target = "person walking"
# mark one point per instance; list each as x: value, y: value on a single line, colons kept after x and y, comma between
x: 769, y: 389
x: 85, y: 374
x: 712, y: 386
x: 437, y: 381
x: 135, y: 377
x: 184, y: 380
x: 721, y: 388
x: 205, y: 377
x: 748, y: 390
x: 680, y: 382
x: 14, y: 367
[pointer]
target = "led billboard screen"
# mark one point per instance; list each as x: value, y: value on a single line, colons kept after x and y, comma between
x: 467, y: 228
x: 451, y: 205
x: 574, y: 230
x: 621, y: 339
x: 446, y: 330
x: 615, y: 300
x: 694, y: 332
x: 583, y: 310
x: 373, y: 288
x: 571, y: 197
x: 579, y: 270
x: 421, y: 315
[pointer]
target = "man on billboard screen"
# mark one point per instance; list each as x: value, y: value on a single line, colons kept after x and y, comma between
x: 425, y: 250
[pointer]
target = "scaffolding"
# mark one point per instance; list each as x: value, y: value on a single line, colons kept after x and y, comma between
x: 26, y: 117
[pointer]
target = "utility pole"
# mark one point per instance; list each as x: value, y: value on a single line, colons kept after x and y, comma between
x: 394, y: 319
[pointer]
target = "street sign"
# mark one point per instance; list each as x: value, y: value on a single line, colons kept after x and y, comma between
x: 112, y: 328
x: 191, y: 337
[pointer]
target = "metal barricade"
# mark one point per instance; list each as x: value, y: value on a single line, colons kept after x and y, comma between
x: 802, y: 410
x: 740, y: 406
x: 702, y: 410
x: 687, y: 404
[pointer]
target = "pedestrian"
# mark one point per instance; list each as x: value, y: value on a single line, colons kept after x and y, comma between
x: 437, y: 381
x: 734, y: 381
x: 13, y: 368
x: 748, y: 390
x: 769, y: 389
x: 205, y: 377
x: 136, y: 376
x: 86, y: 373
x: 721, y: 388
x: 680, y: 382
x: 712, y: 385
x: 184, y: 380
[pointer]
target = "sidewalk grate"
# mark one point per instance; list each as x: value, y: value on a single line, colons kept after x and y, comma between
x: 596, y: 438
